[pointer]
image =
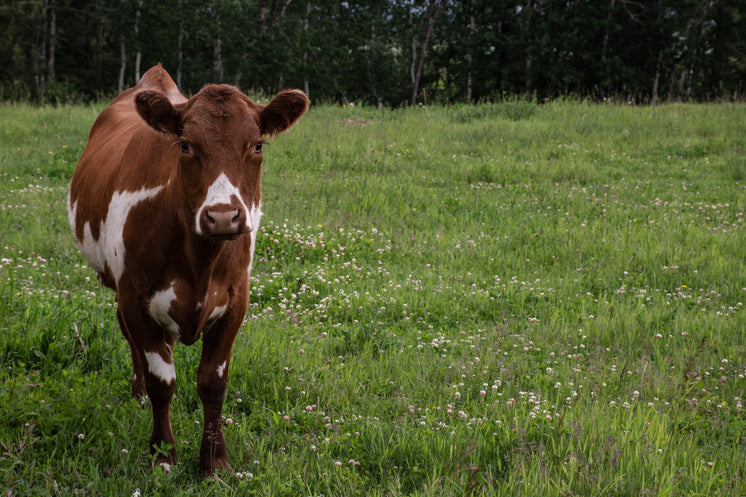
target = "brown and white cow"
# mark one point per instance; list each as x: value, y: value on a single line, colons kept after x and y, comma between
x: 165, y: 205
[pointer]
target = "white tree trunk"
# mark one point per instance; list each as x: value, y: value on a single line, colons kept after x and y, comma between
x: 138, y: 54
x: 122, y: 62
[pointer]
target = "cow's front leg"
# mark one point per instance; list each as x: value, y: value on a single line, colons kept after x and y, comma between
x: 212, y: 378
x: 160, y: 382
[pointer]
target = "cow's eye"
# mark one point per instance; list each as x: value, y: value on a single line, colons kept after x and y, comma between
x: 258, y: 148
x: 185, y: 147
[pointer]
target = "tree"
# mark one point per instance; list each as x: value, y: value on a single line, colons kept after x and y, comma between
x: 379, y: 51
x: 419, y: 44
x: 51, y: 11
x: 217, y: 51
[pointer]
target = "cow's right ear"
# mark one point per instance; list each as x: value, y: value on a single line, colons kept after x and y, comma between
x: 158, y: 112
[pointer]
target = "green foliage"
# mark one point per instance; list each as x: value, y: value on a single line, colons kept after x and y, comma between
x: 366, y: 51
x: 502, y: 299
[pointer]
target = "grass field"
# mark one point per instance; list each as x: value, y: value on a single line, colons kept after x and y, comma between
x: 507, y: 299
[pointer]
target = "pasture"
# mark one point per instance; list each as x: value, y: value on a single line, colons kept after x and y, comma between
x: 503, y: 299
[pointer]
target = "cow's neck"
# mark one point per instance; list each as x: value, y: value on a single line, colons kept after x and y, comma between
x: 200, y: 254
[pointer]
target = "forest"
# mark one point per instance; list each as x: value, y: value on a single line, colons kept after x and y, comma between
x: 379, y: 52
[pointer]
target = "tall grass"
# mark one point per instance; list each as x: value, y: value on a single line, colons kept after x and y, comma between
x: 505, y: 299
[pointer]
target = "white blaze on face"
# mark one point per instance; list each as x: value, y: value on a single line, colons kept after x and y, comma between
x: 159, y: 307
x: 221, y: 191
x: 108, y: 250
x: 160, y: 368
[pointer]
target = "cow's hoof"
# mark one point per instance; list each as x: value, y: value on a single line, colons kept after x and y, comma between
x: 162, y: 464
x: 138, y: 390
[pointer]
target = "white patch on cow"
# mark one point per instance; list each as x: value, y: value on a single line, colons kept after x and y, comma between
x: 221, y: 191
x: 166, y: 467
x: 256, y: 216
x: 159, y: 308
x: 160, y: 368
x: 72, y: 214
x: 109, y: 248
x: 217, y: 313
x: 221, y: 369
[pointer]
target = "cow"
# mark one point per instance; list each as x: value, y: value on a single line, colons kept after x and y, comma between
x: 165, y: 205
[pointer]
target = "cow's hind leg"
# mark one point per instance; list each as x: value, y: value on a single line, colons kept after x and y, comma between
x: 212, y: 378
x: 138, y: 374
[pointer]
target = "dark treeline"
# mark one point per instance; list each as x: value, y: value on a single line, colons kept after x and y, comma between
x: 388, y: 52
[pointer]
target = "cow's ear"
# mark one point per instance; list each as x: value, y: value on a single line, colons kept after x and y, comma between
x: 158, y: 112
x: 283, y: 111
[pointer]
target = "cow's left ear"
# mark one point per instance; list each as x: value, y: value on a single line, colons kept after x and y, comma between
x: 158, y: 112
x: 283, y: 111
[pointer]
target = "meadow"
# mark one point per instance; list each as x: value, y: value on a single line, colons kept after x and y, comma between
x: 500, y: 299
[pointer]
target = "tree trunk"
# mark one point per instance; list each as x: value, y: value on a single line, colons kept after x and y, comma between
x: 40, y: 69
x: 414, y: 49
x: 122, y: 61
x: 138, y: 54
x: 180, y: 45
x: 682, y: 81
x: 605, y: 42
x: 656, y: 80
x: 52, y: 38
x: 529, y: 44
x: 138, y: 60
x: 433, y: 9
x: 99, y: 42
x: 305, y: 50
x: 369, y: 62
x: 469, y: 60
x: 217, y: 48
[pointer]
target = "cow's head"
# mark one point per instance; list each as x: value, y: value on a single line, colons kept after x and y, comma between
x: 219, y: 134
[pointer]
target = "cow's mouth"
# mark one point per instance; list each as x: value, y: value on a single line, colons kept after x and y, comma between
x: 223, y: 237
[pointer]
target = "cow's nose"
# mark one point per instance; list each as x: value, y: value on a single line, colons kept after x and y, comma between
x: 224, y: 221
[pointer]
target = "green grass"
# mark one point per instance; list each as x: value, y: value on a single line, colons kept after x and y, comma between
x: 505, y: 299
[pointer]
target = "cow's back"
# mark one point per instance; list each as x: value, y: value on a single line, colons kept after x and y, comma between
x: 125, y: 163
